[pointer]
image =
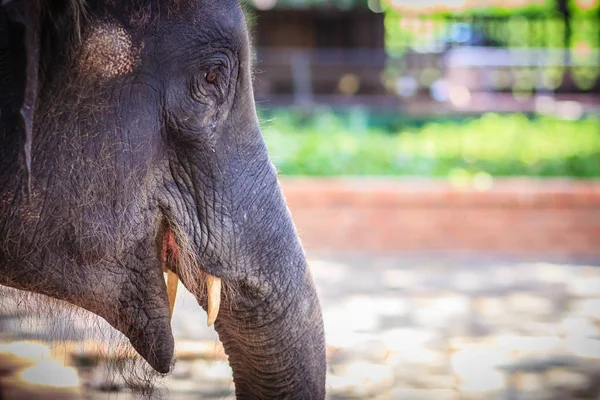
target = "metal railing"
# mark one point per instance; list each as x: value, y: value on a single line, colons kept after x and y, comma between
x: 409, y: 69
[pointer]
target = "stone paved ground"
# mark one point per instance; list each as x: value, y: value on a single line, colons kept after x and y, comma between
x: 401, y: 327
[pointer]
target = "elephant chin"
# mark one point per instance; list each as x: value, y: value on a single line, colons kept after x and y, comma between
x: 148, y: 327
x: 156, y: 345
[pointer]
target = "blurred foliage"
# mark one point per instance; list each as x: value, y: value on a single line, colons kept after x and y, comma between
x: 529, y: 26
x: 523, y: 8
x: 327, y: 144
x: 533, y: 9
x: 341, y: 4
x: 584, y: 7
x: 403, y: 32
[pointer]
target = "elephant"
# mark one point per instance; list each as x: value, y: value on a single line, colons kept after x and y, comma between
x: 130, y: 146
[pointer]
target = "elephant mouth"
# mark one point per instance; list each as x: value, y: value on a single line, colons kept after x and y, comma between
x: 171, y: 262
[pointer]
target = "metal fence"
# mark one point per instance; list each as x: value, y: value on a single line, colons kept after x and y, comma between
x: 458, y: 64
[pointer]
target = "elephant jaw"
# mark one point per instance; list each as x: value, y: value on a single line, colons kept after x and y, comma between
x: 170, y: 255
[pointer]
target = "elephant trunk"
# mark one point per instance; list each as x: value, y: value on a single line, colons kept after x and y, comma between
x: 241, y: 236
x: 268, y: 316
x: 270, y: 321
x: 275, y: 342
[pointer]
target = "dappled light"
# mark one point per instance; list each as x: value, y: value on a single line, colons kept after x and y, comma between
x: 50, y: 373
x: 469, y: 327
x: 427, y: 326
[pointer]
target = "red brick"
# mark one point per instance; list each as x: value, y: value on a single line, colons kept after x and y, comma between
x: 516, y: 216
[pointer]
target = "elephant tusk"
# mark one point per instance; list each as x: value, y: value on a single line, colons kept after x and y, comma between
x: 172, y: 281
x: 213, y: 284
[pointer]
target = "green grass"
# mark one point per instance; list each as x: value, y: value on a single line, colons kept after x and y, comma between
x: 493, y: 145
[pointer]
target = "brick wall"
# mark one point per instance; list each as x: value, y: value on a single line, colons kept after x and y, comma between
x: 551, y: 217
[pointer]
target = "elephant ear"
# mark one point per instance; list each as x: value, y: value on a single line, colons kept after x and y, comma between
x: 27, y: 13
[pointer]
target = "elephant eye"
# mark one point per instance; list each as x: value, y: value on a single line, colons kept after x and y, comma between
x: 209, y: 84
x: 211, y: 77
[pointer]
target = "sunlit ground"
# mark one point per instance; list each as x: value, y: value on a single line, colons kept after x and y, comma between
x: 397, y: 328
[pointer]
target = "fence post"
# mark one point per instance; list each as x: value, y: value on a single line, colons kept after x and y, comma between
x: 563, y: 8
x: 303, y: 96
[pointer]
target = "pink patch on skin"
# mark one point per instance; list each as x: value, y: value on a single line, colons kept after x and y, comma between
x: 108, y: 52
x: 170, y: 250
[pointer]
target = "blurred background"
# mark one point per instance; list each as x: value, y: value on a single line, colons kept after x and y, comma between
x: 329, y: 71
x: 441, y: 160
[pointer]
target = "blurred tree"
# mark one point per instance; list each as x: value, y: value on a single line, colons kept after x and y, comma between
x: 435, y: 25
x: 341, y: 4
x: 557, y: 24
x: 584, y: 40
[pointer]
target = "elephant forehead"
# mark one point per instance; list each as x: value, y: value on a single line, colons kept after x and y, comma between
x: 108, y: 51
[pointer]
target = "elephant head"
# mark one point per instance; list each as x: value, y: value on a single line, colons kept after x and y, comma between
x: 129, y: 143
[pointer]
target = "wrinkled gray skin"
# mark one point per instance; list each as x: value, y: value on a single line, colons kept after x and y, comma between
x: 145, y: 119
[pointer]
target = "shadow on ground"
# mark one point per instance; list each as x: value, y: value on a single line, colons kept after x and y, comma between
x: 398, y: 327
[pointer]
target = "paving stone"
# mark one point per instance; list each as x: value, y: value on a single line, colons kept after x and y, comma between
x: 476, y: 367
x: 350, y: 316
x: 587, y: 308
x: 527, y: 345
x: 423, y: 394
x: 106, y: 379
x: 28, y: 328
x: 441, y: 311
x: 539, y: 328
x: 466, y: 281
x: 182, y: 370
x: 584, y: 347
x: 401, y: 278
x: 215, y: 371
x: 405, y: 364
x: 195, y: 349
x: 564, y: 378
x: 579, y: 327
x: 586, y: 284
x: 529, y: 382
x: 552, y: 273
x: 27, y: 350
x: 531, y: 304
x: 399, y: 329
x: 372, y: 350
x: 434, y: 381
x: 188, y: 389
x: 29, y: 372
x: 490, y: 307
x: 405, y: 339
x: 17, y: 389
x: 360, y: 380
x: 503, y: 276
x: 340, y: 339
x: 539, y: 365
